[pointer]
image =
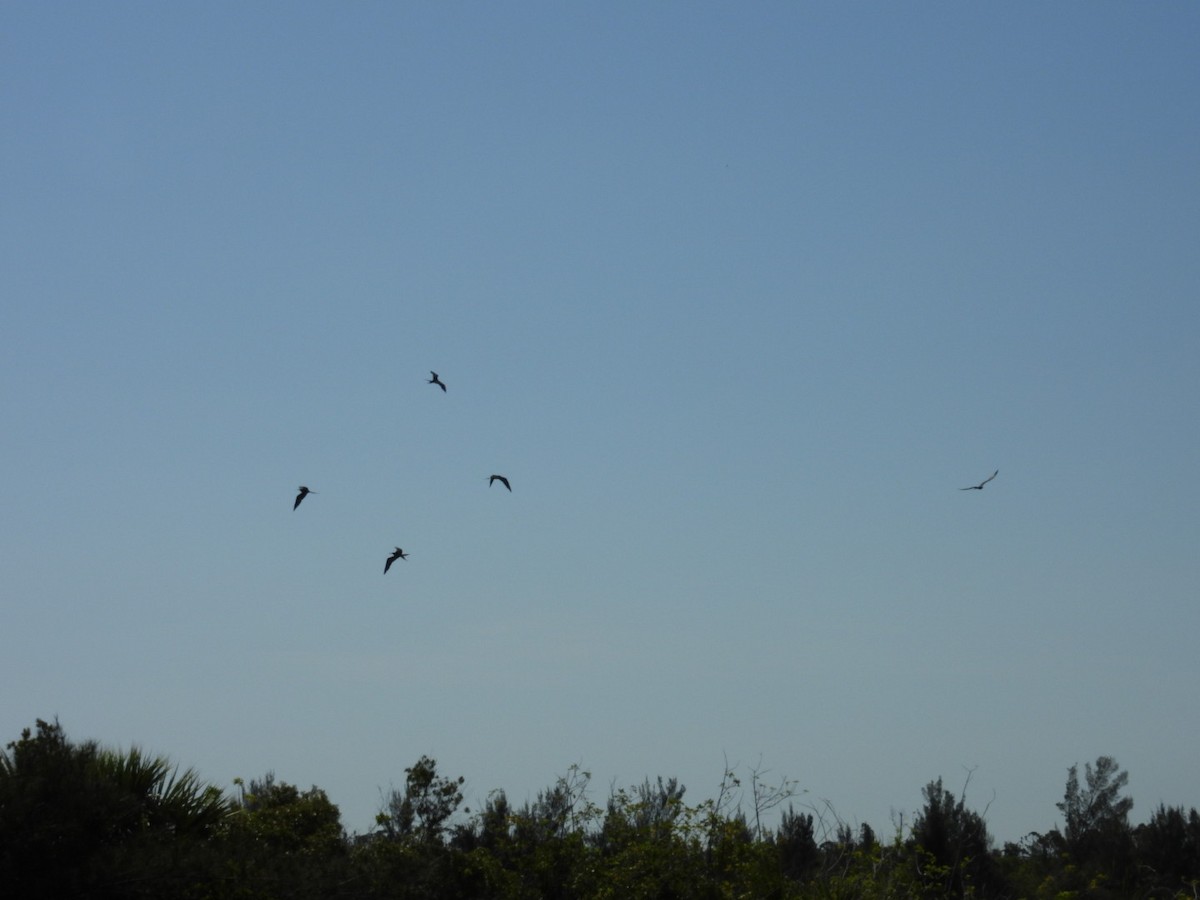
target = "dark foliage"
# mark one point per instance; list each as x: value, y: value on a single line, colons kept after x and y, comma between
x: 80, y: 821
x: 957, y: 843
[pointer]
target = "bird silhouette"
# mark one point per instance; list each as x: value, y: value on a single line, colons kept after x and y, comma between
x: 304, y: 492
x: 435, y: 380
x: 399, y: 554
x: 979, y: 487
x: 502, y: 480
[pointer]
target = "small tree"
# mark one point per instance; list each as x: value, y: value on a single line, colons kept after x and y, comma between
x: 425, y: 807
x: 553, y: 839
x: 955, y: 839
x: 285, y: 819
x: 1097, y: 816
x: 799, y: 856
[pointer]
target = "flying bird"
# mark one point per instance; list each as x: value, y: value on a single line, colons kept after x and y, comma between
x: 435, y: 380
x: 304, y: 492
x: 399, y: 554
x: 502, y: 480
x: 979, y: 487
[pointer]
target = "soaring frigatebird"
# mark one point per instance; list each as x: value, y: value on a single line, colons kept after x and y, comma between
x: 304, y: 492
x: 435, y: 380
x: 979, y: 487
x: 502, y: 480
x: 399, y: 554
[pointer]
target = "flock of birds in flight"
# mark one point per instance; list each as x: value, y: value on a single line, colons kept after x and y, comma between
x: 434, y: 380
x: 400, y: 554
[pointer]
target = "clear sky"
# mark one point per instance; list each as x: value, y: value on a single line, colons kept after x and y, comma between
x: 737, y: 295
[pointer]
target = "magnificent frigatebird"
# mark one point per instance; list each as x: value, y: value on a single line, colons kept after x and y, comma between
x: 304, y: 492
x: 979, y: 487
x: 435, y: 380
x: 502, y: 480
x: 399, y: 554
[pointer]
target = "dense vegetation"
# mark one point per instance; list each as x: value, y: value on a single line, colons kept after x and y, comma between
x: 81, y: 821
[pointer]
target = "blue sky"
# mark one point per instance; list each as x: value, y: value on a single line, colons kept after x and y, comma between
x: 737, y: 295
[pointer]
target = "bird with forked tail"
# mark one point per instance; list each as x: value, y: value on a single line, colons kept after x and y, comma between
x: 399, y: 554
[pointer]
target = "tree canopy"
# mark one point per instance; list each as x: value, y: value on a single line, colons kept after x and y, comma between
x: 80, y: 820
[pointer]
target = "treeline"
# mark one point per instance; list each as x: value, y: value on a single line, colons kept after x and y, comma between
x: 78, y: 820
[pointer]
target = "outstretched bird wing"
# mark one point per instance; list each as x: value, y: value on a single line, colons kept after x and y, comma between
x: 979, y: 487
x: 502, y: 480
